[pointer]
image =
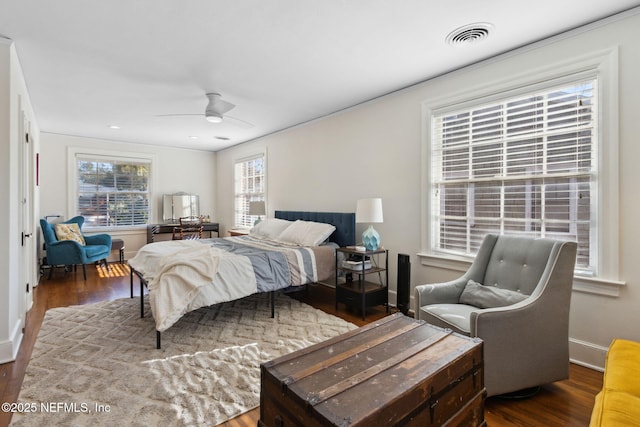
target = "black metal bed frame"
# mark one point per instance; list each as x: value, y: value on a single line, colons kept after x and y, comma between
x: 344, y: 235
x: 144, y: 283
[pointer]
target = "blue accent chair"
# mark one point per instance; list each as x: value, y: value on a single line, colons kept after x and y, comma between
x: 69, y: 252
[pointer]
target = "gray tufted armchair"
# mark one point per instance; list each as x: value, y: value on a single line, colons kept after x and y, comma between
x: 515, y: 297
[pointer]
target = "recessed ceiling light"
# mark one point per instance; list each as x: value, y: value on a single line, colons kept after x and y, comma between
x: 469, y: 34
x: 221, y: 138
x: 114, y: 127
x: 193, y: 137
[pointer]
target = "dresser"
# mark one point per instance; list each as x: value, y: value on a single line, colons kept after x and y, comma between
x: 155, y: 229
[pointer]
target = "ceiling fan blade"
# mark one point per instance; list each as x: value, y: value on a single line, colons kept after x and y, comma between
x: 216, y: 108
x: 237, y: 122
x: 177, y: 115
x: 233, y: 121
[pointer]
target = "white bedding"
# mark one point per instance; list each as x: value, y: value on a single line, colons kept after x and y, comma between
x: 184, y: 275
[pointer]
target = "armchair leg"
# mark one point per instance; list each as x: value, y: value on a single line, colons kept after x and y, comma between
x: 51, y: 267
x: 84, y: 272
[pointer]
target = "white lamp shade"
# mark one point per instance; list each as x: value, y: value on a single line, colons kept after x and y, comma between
x: 369, y: 210
x: 256, y: 208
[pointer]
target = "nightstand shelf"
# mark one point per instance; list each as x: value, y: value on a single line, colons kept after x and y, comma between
x: 357, y: 286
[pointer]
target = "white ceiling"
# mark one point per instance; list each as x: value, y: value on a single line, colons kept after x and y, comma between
x: 90, y: 64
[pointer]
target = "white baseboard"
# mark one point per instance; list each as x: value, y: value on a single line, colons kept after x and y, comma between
x: 587, y: 354
x: 9, y: 349
x: 578, y: 362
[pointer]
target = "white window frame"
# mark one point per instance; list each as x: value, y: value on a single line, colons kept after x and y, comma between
x: 604, y: 66
x: 254, y: 196
x: 72, y: 181
x: 495, y: 130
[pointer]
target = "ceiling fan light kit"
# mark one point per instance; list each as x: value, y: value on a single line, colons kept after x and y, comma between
x: 216, y: 108
x: 213, y: 117
x: 215, y: 112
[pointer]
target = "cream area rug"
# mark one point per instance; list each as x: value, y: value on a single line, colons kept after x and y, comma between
x: 97, y: 364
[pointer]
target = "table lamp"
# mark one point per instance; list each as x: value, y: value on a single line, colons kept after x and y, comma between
x: 369, y: 211
x: 257, y: 208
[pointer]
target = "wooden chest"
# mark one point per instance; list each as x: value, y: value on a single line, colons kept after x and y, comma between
x: 396, y: 371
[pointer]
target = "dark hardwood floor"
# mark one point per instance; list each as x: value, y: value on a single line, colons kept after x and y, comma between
x: 565, y: 403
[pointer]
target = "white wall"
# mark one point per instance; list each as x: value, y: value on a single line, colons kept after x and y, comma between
x: 374, y: 150
x: 17, y: 265
x: 175, y: 170
x: 5, y: 194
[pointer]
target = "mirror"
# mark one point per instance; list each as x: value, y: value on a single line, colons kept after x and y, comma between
x: 179, y: 205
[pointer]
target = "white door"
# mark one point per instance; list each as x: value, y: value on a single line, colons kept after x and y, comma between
x: 27, y: 266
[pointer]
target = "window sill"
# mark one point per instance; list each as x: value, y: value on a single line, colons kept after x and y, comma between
x: 589, y: 285
x: 114, y: 230
x: 598, y: 286
x: 446, y: 262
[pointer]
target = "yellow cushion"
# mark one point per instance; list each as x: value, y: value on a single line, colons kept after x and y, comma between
x: 596, y: 412
x: 69, y: 232
x: 618, y: 403
x: 616, y: 408
x: 622, y: 368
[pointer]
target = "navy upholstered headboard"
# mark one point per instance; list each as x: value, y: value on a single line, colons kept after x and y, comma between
x: 345, y: 223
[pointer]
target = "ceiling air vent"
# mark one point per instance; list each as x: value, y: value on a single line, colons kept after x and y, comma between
x: 469, y: 34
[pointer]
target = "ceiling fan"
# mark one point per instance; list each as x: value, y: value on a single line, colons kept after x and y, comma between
x: 215, y: 112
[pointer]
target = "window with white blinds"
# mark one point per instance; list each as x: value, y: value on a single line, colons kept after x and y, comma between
x: 112, y: 191
x: 250, y: 178
x: 521, y: 165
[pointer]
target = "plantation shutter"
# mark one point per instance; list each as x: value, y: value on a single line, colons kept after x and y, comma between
x: 113, y: 192
x: 523, y: 165
x: 249, y: 187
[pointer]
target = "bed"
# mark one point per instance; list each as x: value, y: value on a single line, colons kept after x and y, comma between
x: 283, y: 253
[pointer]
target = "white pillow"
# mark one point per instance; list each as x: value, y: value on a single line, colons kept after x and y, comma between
x: 306, y: 233
x: 269, y: 228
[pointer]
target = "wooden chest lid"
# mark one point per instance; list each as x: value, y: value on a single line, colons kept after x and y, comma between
x: 363, y: 373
